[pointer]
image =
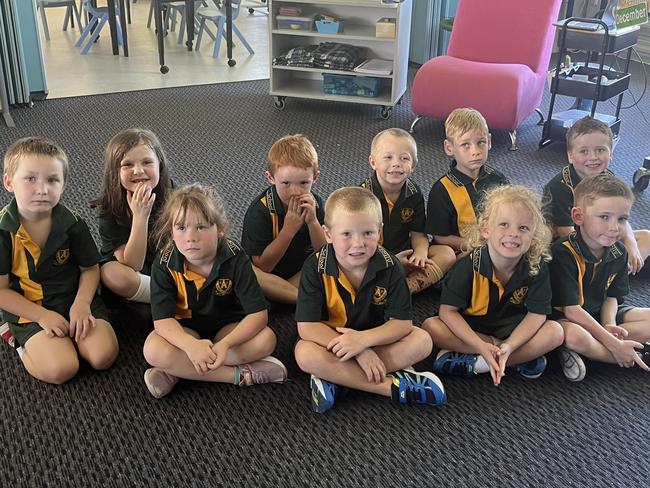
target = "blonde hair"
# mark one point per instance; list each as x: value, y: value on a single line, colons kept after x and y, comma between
x: 396, y: 132
x: 200, y: 199
x: 292, y: 150
x: 352, y: 199
x: 588, y: 125
x: 36, y: 146
x: 463, y: 120
x: 526, y: 198
x: 603, y: 185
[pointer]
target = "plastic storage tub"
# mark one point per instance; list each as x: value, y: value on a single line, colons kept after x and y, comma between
x: 294, y: 23
x: 329, y: 26
x: 358, y: 86
x: 616, y: 83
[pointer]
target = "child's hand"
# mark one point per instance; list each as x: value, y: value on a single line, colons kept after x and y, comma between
x: 220, y: 349
x: 347, y: 345
x: 141, y: 201
x: 201, y: 354
x: 420, y: 259
x: 54, y: 324
x: 616, y: 331
x: 81, y: 320
x: 504, y: 353
x: 634, y: 258
x: 307, y: 204
x: 372, y: 365
x: 411, y: 261
x: 294, y: 218
x: 490, y: 353
x: 625, y: 354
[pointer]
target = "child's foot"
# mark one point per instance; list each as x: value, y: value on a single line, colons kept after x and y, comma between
x: 159, y: 383
x: 266, y: 370
x: 323, y: 394
x: 455, y: 364
x: 413, y: 387
x: 532, y: 369
x: 573, y: 366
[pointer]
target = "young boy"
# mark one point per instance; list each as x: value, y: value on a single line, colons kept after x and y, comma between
x: 393, y: 156
x: 49, y: 269
x: 589, y: 149
x: 589, y: 277
x: 455, y: 197
x: 354, y: 312
x: 283, y: 225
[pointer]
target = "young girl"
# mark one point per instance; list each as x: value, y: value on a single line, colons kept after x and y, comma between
x: 209, y: 312
x: 495, y: 300
x: 136, y: 186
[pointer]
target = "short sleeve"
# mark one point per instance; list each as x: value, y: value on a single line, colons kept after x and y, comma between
x: 247, y: 288
x: 419, y: 218
x: 538, y: 298
x: 257, y: 230
x: 558, y: 201
x: 440, y: 212
x: 457, y: 286
x: 564, y: 277
x: 112, y: 235
x: 311, y: 294
x: 398, y: 300
x: 320, y: 209
x: 620, y: 286
x: 82, y: 245
x: 163, y: 291
x: 5, y: 252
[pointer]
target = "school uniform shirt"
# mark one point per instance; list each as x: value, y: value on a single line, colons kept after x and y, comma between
x: 262, y: 224
x: 579, y: 278
x: 485, y: 303
x: 455, y: 197
x: 558, y: 197
x: 115, y: 234
x: 227, y: 295
x: 326, y: 295
x: 48, y: 276
x: 400, y: 218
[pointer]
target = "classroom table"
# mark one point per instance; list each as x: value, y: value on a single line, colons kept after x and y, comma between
x: 113, y: 27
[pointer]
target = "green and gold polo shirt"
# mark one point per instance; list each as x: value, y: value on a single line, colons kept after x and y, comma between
x: 579, y: 278
x: 454, y: 199
x: 400, y: 218
x: 205, y: 304
x: 326, y: 295
x: 489, y: 305
x: 262, y: 223
x: 558, y: 197
x: 48, y: 276
x: 115, y: 234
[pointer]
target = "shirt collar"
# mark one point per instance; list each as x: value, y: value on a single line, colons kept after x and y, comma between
x: 580, y: 246
x: 482, y: 264
x: 461, y: 179
x: 62, y: 217
x: 226, y: 250
x: 328, y: 265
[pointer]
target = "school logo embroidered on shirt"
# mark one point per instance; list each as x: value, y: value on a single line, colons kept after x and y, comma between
x: 379, y: 296
x: 519, y: 295
x: 62, y: 256
x: 406, y: 215
x: 609, y: 280
x: 223, y: 286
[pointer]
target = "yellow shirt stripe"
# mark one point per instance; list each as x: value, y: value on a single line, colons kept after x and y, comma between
x: 581, y: 270
x: 480, y: 295
x: 462, y: 203
x: 21, y: 245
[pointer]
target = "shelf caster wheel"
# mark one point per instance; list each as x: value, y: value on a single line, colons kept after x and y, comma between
x: 641, y: 179
x: 279, y: 103
x: 232, y: 62
x: 386, y: 112
x: 251, y: 11
x: 164, y: 69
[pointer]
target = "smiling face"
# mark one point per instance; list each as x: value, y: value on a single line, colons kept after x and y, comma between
x: 393, y: 161
x: 470, y: 150
x: 602, y: 223
x: 509, y: 233
x: 195, y: 238
x: 590, y: 153
x: 291, y: 181
x: 140, y: 166
x: 354, y: 237
x: 37, y: 184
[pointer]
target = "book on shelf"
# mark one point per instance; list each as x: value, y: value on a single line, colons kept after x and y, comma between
x: 375, y: 67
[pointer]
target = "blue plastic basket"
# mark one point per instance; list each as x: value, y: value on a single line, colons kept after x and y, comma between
x: 358, y: 86
x: 329, y: 26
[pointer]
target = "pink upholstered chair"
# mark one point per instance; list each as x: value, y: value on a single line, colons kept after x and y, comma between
x: 497, y: 61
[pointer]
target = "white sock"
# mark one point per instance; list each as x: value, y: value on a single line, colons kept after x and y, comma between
x: 143, y: 295
x: 20, y: 350
x: 481, y: 365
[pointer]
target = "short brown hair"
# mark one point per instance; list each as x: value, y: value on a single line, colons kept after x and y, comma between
x: 396, y: 132
x: 603, y: 185
x: 587, y: 125
x: 34, y: 145
x: 352, y: 199
x: 464, y: 120
x: 293, y: 150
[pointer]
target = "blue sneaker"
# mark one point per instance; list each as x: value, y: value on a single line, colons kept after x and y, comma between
x: 323, y: 394
x: 454, y: 363
x: 532, y: 369
x: 412, y: 387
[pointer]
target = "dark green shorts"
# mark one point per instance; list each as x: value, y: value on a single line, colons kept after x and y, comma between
x: 24, y: 332
x: 500, y: 332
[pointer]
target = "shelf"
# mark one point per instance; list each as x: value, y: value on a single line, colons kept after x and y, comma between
x: 332, y: 71
x: 352, y: 33
x: 617, y: 83
x: 314, y: 89
x: 347, y: 3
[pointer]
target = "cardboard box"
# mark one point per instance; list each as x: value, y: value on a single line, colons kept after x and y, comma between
x: 385, y: 27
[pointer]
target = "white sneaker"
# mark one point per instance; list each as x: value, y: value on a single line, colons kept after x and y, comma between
x: 159, y: 383
x: 573, y: 366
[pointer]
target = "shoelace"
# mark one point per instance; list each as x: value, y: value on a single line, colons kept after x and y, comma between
x: 250, y: 377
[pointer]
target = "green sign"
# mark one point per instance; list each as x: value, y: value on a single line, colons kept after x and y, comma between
x: 631, y: 12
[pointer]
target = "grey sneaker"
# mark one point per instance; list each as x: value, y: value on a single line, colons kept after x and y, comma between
x: 266, y: 370
x: 158, y: 382
x: 573, y: 366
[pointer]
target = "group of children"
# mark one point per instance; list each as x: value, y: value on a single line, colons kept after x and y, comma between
x: 350, y: 265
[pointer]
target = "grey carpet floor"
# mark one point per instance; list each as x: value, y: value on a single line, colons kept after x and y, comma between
x: 104, y: 429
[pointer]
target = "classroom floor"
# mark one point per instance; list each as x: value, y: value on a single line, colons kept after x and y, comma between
x: 71, y: 74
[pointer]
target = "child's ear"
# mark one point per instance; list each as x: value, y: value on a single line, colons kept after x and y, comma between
x: 449, y: 147
x: 316, y: 175
x: 269, y: 177
x: 371, y: 160
x: 328, y: 234
x: 7, y: 183
x: 577, y: 215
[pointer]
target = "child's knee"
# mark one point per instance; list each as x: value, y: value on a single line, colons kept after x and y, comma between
x: 103, y: 359
x: 443, y: 256
x: 268, y: 341
x: 156, y: 350
x: 422, y: 342
x: 555, y: 333
x: 59, y: 371
x: 576, y: 338
x: 304, y: 355
x: 434, y: 327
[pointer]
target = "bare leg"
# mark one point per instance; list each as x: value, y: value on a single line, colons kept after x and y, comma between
x: 100, y: 346
x: 637, y: 324
x: 579, y: 340
x: 260, y: 346
x: 50, y: 359
x: 275, y: 288
x: 120, y: 279
x: 443, y: 258
x: 643, y: 241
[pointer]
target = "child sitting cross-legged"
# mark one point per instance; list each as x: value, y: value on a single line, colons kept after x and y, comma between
x: 495, y: 300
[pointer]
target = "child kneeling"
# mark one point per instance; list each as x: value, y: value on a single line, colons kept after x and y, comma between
x: 210, y: 316
x: 354, y: 312
x: 495, y: 300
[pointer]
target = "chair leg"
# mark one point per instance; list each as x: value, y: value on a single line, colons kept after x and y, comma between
x: 89, y: 26
x: 417, y: 119
x: 66, y: 18
x: 93, y: 38
x: 217, y: 42
x: 513, y: 140
x: 541, y: 116
x: 46, y: 31
x: 242, y: 39
x: 181, y: 27
x: 199, y: 34
x: 151, y: 8
x: 77, y: 15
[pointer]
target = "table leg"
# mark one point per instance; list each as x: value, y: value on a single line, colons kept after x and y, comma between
x: 189, y: 8
x: 231, y: 62
x: 123, y: 23
x: 160, y: 34
x: 113, y: 26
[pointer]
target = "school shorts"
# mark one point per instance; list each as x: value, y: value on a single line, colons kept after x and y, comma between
x: 620, y: 314
x: 23, y: 332
x: 500, y: 332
